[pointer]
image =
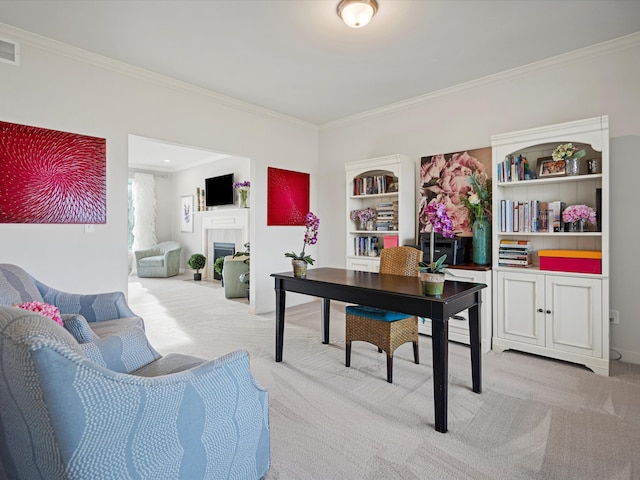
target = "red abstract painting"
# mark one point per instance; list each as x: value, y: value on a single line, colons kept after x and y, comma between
x: 287, y: 197
x: 47, y: 176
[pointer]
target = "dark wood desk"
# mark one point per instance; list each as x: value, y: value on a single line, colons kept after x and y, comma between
x: 399, y: 294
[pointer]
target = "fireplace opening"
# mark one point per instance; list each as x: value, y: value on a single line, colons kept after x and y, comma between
x: 222, y: 249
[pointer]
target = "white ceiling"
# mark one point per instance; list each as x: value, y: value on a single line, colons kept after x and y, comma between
x: 296, y: 57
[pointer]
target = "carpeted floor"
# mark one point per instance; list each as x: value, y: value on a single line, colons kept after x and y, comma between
x: 536, y: 418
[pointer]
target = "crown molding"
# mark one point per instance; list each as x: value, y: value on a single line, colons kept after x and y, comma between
x: 101, y: 61
x: 615, y: 45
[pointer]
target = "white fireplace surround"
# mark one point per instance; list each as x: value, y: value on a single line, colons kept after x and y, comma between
x: 225, y: 225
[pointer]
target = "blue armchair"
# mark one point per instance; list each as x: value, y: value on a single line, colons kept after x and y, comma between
x: 73, y: 410
x: 87, y: 317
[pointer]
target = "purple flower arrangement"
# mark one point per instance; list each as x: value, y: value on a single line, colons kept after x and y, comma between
x: 436, y: 214
x: 574, y: 213
x: 312, y: 224
x: 364, y: 214
x: 242, y: 185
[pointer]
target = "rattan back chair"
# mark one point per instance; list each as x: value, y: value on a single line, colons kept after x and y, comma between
x: 384, y: 329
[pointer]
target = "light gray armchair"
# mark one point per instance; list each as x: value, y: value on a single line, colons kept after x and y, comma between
x: 115, y: 408
x: 161, y: 260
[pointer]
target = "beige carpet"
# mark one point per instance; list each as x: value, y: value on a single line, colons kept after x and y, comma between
x: 536, y: 418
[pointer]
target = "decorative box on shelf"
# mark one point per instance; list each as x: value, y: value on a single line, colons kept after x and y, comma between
x: 577, y: 261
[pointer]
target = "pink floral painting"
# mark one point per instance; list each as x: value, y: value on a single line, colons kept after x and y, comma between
x: 443, y: 179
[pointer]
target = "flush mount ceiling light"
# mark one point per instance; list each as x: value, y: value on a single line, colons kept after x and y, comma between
x: 357, y: 13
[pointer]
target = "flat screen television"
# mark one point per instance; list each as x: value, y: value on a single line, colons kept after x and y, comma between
x: 219, y: 190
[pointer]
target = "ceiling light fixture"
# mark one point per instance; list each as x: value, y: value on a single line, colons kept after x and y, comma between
x: 357, y: 13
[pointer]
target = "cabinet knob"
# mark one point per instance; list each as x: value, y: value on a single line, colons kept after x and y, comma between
x: 548, y: 311
x: 540, y: 310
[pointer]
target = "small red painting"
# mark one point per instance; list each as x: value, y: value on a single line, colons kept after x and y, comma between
x: 287, y: 197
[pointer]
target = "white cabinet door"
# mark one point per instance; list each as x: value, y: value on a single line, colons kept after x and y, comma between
x: 574, y: 318
x: 521, y: 304
x: 364, y: 264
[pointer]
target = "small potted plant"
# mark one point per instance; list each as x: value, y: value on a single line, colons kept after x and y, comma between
x: 301, y: 261
x: 197, y: 261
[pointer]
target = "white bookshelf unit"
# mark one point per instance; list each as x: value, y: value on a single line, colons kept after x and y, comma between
x: 398, y: 170
x: 558, y: 314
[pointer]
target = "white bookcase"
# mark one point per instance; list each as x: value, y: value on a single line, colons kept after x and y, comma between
x: 402, y: 170
x: 557, y: 314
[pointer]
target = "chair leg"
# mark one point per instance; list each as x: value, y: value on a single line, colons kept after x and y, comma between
x: 379, y: 350
x: 416, y: 357
x: 347, y: 360
x: 389, y: 368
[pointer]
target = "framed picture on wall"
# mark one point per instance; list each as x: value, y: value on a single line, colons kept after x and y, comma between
x: 186, y: 213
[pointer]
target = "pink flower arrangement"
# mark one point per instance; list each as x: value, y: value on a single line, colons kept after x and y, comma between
x: 364, y: 214
x: 44, y: 309
x: 573, y: 213
x: 312, y: 224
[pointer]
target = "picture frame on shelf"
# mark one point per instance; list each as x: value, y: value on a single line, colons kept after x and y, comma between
x: 548, y: 167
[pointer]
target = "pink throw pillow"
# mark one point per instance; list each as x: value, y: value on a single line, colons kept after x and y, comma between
x: 43, y: 308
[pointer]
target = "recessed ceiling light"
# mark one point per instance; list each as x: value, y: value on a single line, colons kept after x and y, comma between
x: 166, y: 160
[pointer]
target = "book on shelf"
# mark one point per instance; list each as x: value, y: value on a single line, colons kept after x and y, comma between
x: 514, y: 253
x: 373, y: 184
x: 530, y: 216
x: 365, y: 246
x: 512, y: 169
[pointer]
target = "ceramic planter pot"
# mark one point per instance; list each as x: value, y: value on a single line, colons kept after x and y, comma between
x: 432, y: 283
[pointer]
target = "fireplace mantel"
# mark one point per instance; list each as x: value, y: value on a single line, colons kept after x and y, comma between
x: 227, y: 220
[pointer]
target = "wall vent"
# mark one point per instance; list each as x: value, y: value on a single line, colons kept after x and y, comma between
x: 9, y: 51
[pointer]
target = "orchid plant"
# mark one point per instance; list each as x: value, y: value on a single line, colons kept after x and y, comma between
x: 436, y: 215
x: 312, y: 223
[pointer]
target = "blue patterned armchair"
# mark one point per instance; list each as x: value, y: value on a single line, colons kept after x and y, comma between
x: 81, y: 411
x: 87, y: 317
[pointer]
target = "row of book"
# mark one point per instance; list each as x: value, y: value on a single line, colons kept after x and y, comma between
x: 387, y: 216
x: 375, y: 184
x: 368, y: 246
x: 512, y: 169
x: 514, y: 253
x: 531, y: 216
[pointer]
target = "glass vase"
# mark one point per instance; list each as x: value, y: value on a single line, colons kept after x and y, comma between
x: 481, y: 241
x: 243, y: 198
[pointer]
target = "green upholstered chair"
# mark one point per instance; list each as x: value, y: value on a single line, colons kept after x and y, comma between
x: 232, y: 268
x: 161, y: 260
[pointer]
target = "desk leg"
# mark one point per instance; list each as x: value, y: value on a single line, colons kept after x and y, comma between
x: 474, y: 341
x: 280, y: 306
x: 440, y: 347
x: 326, y: 304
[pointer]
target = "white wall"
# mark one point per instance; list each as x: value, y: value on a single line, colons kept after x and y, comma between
x: 574, y: 87
x: 62, y: 88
